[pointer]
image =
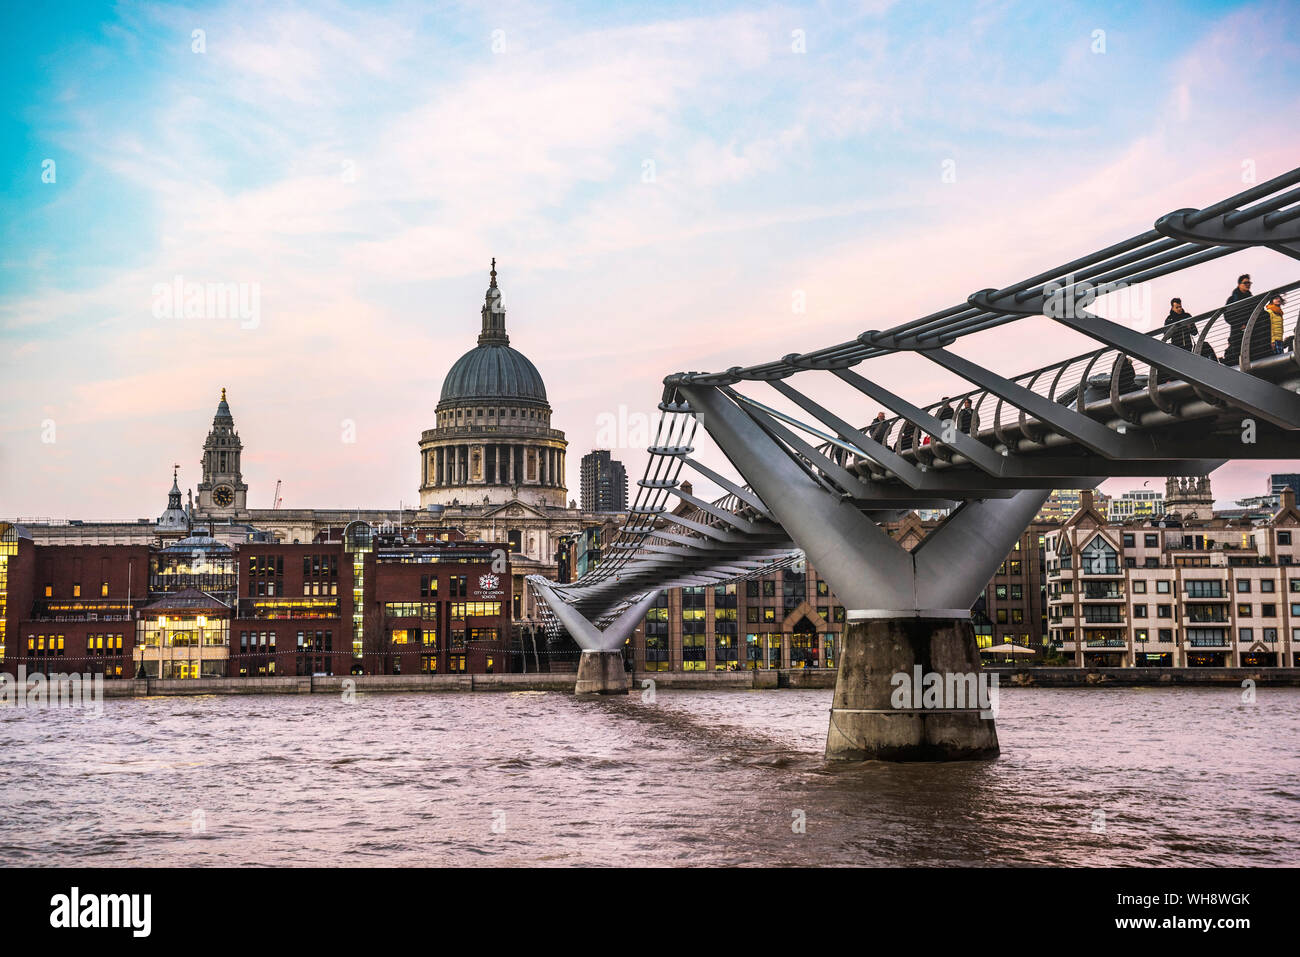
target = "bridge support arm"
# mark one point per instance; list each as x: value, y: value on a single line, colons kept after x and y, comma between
x: 864, y: 566
x: 955, y: 562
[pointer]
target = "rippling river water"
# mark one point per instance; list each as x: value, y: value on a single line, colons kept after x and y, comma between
x: 1098, y: 777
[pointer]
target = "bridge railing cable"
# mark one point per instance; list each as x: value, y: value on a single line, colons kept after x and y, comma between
x: 1060, y: 381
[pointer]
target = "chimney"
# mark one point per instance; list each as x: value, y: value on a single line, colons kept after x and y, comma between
x: 1287, y: 499
x: 1085, y: 499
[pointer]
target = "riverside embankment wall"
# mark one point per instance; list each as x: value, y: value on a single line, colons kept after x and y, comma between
x: 712, y: 681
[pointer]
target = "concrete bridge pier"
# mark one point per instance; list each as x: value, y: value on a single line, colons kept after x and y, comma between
x: 894, y: 699
x: 600, y: 669
x: 601, y: 672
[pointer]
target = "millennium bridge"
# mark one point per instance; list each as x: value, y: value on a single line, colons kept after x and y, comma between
x: 1179, y: 400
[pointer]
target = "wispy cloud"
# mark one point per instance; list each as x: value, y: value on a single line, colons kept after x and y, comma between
x: 659, y: 187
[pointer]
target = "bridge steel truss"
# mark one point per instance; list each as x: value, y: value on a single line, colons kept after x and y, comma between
x: 1156, y: 403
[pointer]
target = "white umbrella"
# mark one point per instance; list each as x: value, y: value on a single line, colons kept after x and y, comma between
x: 1010, y: 649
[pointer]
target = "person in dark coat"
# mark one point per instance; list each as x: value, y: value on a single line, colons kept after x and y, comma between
x: 1184, y: 329
x: 965, y: 415
x: 879, y: 430
x: 1236, y: 315
x: 945, y: 411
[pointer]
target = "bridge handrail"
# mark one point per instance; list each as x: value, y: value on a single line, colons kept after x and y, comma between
x: 897, y: 425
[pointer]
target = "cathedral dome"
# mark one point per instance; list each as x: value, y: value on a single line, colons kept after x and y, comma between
x: 493, y: 444
x: 492, y: 370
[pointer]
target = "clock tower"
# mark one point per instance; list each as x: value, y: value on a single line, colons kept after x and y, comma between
x: 222, y: 493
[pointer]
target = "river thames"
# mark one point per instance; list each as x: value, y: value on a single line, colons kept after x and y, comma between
x: 1175, y: 776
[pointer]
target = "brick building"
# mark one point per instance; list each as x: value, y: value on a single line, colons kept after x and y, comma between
x: 362, y: 601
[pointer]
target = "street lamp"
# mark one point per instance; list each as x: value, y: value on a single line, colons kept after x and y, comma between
x: 162, y: 641
x: 203, y: 623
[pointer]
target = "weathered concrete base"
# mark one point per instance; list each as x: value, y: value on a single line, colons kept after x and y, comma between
x: 864, y: 722
x: 601, y: 672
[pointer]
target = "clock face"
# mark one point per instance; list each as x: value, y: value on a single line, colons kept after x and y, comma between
x: 223, y: 495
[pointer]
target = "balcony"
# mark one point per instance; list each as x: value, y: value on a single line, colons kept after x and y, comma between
x: 1154, y: 644
x: 1098, y: 616
x: 1101, y: 591
x: 1106, y: 643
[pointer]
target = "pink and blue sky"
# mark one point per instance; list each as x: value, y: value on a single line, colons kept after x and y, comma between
x: 659, y: 183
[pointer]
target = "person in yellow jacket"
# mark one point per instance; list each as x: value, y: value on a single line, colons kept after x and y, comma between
x: 1274, y: 310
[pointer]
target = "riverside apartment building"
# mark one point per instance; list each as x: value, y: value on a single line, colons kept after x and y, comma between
x: 1186, y: 591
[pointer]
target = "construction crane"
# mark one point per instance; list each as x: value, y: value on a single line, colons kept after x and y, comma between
x: 278, y: 500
